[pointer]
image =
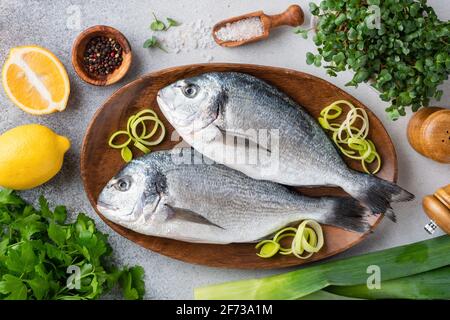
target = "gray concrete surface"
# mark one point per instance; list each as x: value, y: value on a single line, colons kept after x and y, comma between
x: 50, y: 24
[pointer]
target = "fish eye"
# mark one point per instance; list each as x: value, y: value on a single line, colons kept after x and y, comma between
x: 190, y: 90
x: 123, y: 184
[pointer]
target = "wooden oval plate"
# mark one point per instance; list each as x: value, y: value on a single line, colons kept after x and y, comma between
x: 99, y: 163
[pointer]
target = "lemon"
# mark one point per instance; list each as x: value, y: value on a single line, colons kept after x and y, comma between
x: 30, y: 156
x: 35, y: 80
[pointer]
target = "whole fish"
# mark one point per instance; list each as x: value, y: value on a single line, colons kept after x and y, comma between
x: 174, y: 194
x: 207, y: 110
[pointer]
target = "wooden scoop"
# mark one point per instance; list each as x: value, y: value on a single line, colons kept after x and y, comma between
x: 293, y: 16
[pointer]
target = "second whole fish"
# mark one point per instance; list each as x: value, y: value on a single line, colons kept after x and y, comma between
x: 179, y: 195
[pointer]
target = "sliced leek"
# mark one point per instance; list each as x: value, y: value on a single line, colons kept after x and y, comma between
x: 138, y: 133
x: 350, y: 138
x: 269, y: 248
x: 118, y: 134
x: 307, y: 240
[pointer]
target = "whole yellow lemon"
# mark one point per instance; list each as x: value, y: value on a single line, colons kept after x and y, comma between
x: 30, y: 155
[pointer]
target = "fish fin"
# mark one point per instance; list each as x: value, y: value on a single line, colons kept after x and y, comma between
x: 377, y: 194
x: 248, y: 139
x: 188, y: 215
x: 349, y: 214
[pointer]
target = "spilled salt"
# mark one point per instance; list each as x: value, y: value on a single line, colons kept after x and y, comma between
x: 190, y: 36
x: 241, y: 30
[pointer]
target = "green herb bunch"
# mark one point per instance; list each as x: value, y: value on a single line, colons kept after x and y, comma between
x: 38, y: 250
x: 405, y: 58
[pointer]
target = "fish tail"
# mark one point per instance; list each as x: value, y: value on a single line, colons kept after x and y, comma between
x: 378, y: 194
x: 347, y: 213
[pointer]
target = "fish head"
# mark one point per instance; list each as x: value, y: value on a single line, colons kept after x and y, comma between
x: 127, y: 196
x: 194, y: 103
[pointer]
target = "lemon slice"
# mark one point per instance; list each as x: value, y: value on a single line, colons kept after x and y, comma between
x: 35, y: 80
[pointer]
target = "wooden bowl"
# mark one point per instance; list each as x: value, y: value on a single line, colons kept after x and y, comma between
x: 429, y: 133
x: 79, y: 47
x: 99, y: 162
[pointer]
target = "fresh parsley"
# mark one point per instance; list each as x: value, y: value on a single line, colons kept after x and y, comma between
x: 38, y: 248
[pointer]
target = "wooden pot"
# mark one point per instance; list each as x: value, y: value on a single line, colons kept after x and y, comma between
x: 429, y: 133
x: 79, y: 47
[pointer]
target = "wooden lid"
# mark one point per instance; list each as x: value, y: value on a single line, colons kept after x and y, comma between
x: 429, y: 133
x: 415, y: 126
x: 436, y: 136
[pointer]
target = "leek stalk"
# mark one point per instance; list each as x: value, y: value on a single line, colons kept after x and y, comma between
x: 325, y: 295
x: 434, y: 284
x: 394, y: 263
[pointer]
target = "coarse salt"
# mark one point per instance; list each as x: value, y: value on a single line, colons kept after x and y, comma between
x: 241, y: 30
x: 195, y: 35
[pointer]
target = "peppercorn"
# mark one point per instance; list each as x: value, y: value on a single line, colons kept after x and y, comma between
x: 102, y: 56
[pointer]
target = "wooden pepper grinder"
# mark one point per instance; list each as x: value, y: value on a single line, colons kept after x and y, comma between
x: 437, y: 207
x: 429, y: 133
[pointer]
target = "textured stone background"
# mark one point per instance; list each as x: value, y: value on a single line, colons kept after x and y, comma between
x: 45, y: 23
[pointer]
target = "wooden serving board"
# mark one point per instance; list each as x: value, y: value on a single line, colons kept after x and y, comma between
x: 99, y: 163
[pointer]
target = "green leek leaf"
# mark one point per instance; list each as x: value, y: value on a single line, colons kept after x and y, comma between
x: 434, y: 284
x: 394, y: 263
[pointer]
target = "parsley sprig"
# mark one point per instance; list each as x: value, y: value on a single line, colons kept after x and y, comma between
x: 405, y: 58
x: 37, y: 247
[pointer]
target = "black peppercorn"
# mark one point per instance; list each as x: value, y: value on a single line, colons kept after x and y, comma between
x: 102, y: 56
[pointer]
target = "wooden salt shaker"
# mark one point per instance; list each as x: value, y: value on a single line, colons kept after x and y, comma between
x: 429, y: 133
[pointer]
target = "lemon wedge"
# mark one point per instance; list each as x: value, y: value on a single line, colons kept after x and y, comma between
x: 35, y: 80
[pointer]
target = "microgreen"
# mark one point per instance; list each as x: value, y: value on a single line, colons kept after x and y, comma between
x: 302, y: 32
x: 406, y: 58
x: 37, y: 250
x: 153, y: 43
x: 157, y: 25
x: 171, y: 23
